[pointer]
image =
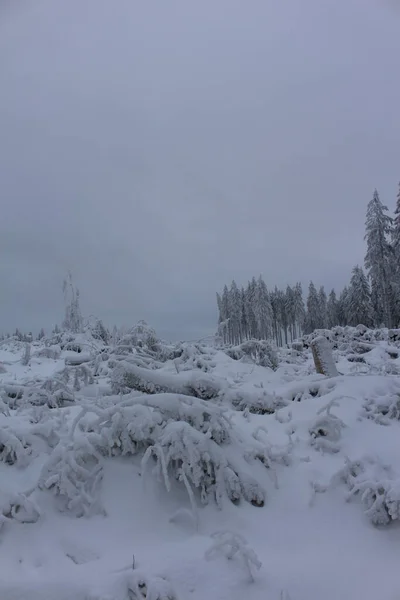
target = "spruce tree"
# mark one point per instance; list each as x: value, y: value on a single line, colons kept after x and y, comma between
x: 395, y: 264
x: 359, y: 307
x: 378, y: 259
x: 332, y: 315
x: 299, y: 308
x: 235, y: 311
x: 265, y: 310
x: 312, y: 318
x: 322, y: 308
x: 342, y: 307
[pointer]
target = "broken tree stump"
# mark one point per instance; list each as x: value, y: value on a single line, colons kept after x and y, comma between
x: 323, y: 357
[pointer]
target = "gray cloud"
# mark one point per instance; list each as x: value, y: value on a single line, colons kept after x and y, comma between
x: 161, y: 149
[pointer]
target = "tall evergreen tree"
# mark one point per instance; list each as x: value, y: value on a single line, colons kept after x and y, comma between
x: 235, y: 310
x: 225, y: 308
x: 263, y: 310
x: 395, y: 265
x: 359, y: 299
x: 290, y: 311
x: 299, y: 308
x: 313, y: 317
x: 378, y: 259
x: 332, y: 315
x: 342, y: 307
x: 244, y: 324
x: 322, y: 308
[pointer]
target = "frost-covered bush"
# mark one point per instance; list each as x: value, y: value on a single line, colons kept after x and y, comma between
x: 326, y: 430
x: 269, y: 454
x: 188, y: 455
x: 14, y: 448
x: 231, y: 545
x: 257, y: 401
x: 375, y: 485
x: 141, y: 336
x: 74, y: 473
x: 17, y: 507
x: 136, y: 585
x: 76, y: 376
x: 187, y: 439
x: 261, y: 352
x: 194, y: 356
x: 383, y: 409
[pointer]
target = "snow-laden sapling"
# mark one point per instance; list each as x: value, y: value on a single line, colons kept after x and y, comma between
x: 139, y: 586
x: 74, y: 472
x: 14, y: 449
x: 269, y: 454
x: 18, y: 507
x: 376, y: 486
x: 188, y: 455
x: 233, y: 545
x: 383, y: 409
x: 261, y: 352
x: 326, y: 431
x: 258, y: 401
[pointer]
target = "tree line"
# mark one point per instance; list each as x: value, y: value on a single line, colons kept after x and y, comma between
x: 371, y: 298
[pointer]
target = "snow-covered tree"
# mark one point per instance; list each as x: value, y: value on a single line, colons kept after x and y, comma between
x: 73, y: 320
x: 263, y: 310
x: 290, y: 311
x: 378, y: 259
x: 299, y: 308
x: 359, y: 307
x: 322, y: 308
x: 235, y: 310
x: 395, y: 264
x: 313, y: 310
x: 342, y: 307
x: 332, y: 315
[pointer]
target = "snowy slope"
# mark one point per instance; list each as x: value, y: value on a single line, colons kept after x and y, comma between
x: 322, y: 440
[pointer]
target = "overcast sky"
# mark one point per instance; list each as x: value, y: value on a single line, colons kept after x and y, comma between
x: 159, y: 149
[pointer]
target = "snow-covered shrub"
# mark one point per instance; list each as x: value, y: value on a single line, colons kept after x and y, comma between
x: 261, y: 352
x: 74, y: 473
x: 374, y: 484
x: 53, y: 392
x: 135, y: 585
x: 268, y: 453
x: 99, y: 332
x: 258, y: 401
x: 194, y: 356
x: 48, y: 424
x: 17, y: 507
x: 231, y: 545
x: 189, y: 455
x: 326, y: 430
x: 190, y: 440
x: 383, y: 409
x: 76, y: 376
x: 14, y: 448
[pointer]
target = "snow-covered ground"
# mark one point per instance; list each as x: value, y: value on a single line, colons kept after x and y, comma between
x: 315, y: 475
